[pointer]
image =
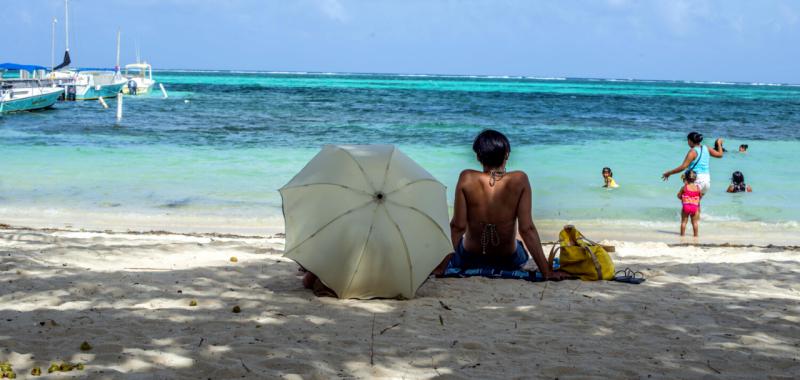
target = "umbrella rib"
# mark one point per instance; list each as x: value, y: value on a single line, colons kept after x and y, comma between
x: 327, y: 224
x: 419, y: 212
x: 329, y: 184
x: 363, y: 249
x: 363, y: 172
x: 414, y: 183
x: 408, y: 255
x: 388, y: 164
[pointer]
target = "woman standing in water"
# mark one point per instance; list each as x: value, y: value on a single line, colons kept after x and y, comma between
x: 697, y: 159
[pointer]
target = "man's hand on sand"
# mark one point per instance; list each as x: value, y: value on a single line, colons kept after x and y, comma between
x: 558, y: 276
x: 439, y: 270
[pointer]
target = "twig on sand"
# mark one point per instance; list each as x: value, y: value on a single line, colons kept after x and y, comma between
x: 441, y: 320
x: 372, y: 343
x: 389, y: 328
x: 708, y: 363
x: 201, y: 342
x: 245, y: 366
x: 444, y: 306
x: 541, y: 296
x: 576, y: 288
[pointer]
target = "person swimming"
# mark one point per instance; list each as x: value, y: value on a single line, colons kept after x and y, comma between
x: 608, y: 178
x: 718, y: 146
x: 690, y: 195
x: 737, y: 184
x: 743, y: 148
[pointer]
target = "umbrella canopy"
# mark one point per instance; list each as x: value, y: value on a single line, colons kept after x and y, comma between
x: 367, y: 220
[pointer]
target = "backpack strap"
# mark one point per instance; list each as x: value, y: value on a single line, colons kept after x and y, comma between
x: 595, y: 262
x: 697, y: 161
x: 552, y: 255
x: 588, y: 249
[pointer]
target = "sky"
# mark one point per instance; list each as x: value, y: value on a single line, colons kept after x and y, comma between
x: 704, y: 40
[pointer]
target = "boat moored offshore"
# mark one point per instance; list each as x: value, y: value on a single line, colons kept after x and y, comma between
x: 140, y: 78
x: 27, y: 90
x: 89, y: 84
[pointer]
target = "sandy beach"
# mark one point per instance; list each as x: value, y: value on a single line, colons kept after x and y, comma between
x: 704, y: 312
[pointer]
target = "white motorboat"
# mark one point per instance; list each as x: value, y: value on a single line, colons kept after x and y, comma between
x: 140, y: 78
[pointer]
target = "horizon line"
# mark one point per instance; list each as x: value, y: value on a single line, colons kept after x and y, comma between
x: 476, y: 76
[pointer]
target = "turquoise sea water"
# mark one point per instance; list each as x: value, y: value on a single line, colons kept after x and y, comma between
x: 224, y: 142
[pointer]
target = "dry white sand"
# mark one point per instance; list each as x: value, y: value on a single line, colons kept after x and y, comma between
x: 704, y: 312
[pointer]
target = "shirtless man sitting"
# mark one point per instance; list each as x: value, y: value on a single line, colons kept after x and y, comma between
x: 489, y: 207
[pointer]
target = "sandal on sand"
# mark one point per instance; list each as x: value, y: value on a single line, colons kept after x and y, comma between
x: 628, y: 276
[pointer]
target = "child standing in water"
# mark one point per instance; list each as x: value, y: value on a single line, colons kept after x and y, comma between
x: 690, y: 195
x: 608, y: 178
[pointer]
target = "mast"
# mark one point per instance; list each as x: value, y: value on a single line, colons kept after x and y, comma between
x: 67, y: 60
x: 116, y: 68
x: 66, y: 22
x: 53, y: 45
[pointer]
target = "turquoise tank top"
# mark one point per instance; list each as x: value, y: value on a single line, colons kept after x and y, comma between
x: 700, y: 163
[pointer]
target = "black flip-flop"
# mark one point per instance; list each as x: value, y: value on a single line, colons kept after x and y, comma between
x: 629, y: 277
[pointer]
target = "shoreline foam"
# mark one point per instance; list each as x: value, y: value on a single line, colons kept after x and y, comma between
x: 711, y: 232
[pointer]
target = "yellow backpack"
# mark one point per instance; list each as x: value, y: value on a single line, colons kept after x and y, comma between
x: 582, y: 257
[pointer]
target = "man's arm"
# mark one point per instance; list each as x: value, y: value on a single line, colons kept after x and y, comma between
x: 458, y: 225
x: 686, y: 161
x: 717, y: 153
x: 528, y: 232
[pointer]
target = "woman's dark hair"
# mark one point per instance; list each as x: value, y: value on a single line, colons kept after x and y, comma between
x: 737, y: 177
x: 695, y: 137
x: 690, y: 176
x: 491, y: 147
x: 743, y: 146
x: 607, y: 169
x: 719, y: 147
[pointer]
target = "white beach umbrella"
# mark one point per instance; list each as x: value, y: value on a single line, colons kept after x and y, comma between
x: 367, y: 220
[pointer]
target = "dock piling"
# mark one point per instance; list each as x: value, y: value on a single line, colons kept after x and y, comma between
x: 119, y: 107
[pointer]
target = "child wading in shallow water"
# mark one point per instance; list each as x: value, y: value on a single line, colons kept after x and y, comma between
x: 690, y: 195
x: 608, y: 178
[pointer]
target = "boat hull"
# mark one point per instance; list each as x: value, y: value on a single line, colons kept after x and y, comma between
x: 31, y: 103
x: 139, y: 90
x: 142, y: 86
x: 97, y: 92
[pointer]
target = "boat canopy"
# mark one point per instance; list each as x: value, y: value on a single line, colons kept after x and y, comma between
x: 140, y: 66
x: 95, y: 69
x: 15, y: 66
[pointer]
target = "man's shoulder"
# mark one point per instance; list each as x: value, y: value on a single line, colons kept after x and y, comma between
x: 518, y: 175
x: 468, y: 173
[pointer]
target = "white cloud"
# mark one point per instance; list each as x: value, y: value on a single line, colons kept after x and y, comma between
x: 681, y: 15
x: 333, y: 9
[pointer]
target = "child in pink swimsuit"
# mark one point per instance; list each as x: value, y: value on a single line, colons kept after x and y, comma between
x: 690, y: 195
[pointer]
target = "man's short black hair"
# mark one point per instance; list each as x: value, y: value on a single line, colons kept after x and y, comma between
x: 491, y: 147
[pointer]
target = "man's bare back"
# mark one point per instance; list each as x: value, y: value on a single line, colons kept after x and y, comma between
x: 491, y: 211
